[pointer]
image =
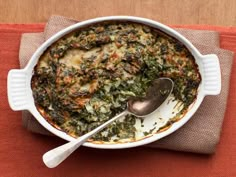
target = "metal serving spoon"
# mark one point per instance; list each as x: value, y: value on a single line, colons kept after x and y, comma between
x: 156, y: 94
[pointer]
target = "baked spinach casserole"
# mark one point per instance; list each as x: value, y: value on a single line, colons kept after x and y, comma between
x: 86, y: 77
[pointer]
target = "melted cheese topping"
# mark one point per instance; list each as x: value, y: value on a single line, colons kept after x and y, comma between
x: 86, y: 78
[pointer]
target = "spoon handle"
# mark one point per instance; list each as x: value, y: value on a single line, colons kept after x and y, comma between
x: 55, y: 156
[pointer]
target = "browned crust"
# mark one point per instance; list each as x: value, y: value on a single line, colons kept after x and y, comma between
x: 47, y: 117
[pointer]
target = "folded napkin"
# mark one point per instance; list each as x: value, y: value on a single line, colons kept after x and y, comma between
x: 200, y: 134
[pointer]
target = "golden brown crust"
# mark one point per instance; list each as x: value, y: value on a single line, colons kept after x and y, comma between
x: 86, y: 77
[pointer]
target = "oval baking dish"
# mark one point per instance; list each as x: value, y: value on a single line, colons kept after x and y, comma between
x: 20, y: 94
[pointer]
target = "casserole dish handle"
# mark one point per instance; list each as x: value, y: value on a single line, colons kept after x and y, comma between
x: 18, y: 94
x: 212, y: 74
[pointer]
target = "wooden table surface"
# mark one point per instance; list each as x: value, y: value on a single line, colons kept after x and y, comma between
x: 212, y: 12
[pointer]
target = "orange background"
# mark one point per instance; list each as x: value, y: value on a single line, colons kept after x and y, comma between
x: 21, y: 151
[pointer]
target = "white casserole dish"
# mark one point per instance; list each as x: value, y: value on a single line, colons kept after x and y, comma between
x: 20, y: 94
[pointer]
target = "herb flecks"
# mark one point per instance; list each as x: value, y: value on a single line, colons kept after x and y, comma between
x: 86, y: 77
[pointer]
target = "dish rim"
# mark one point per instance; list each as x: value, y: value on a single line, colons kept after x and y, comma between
x: 28, y: 70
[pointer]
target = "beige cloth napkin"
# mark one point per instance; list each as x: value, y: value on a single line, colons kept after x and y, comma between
x: 201, y: 134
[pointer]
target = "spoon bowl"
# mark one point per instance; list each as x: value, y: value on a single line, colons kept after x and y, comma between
x: 156, y: 94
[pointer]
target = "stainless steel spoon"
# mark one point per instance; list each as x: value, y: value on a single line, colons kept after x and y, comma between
x: 156, y: 94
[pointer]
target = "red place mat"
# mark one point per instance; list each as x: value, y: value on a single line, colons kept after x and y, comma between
x: 21, y: 151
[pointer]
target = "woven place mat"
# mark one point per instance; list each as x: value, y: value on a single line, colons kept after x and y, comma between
x: 201, y: 134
